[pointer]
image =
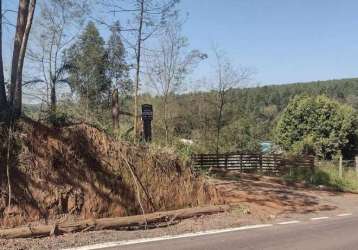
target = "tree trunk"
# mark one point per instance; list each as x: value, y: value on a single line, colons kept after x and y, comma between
x: 115, y: 109
x: 221, y: 106
x: 3, y: 102
x: 111, y: 223
x: 17, y: 105
x: 165, y: 103
x: 20, y: 30
x: 53, y: 99
x: 136, y: 87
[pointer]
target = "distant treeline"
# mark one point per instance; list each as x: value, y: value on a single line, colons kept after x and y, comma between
x: 249, y: 116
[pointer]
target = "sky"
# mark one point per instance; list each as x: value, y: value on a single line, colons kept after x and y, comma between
x: 283, y: 40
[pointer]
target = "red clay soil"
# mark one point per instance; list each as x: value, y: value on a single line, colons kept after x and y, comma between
x: 79, y: 171
x: 270, y: 196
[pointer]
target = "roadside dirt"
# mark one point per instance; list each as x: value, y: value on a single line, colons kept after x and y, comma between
x: 253, y: 200
x: 80, y: 172
x: 271, y: 197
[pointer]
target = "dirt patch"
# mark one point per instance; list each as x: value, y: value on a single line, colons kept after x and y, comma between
x: 271, y: 196
x: 254, y: 200
x: 79, y: 172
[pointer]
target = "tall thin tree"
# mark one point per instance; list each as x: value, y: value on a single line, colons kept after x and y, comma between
x: 3, y: 101
x: 149, y: 17
x: 170, y: 64
x: 227, y: 77
x: 25, y: 17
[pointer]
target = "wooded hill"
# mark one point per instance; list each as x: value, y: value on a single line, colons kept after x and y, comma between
x: 249, y: 114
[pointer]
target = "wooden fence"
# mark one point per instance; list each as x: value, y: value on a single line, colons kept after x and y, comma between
x: 251, y: 162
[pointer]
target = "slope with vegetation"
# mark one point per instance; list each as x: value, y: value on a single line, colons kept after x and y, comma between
x: 80, y: 171
x: 248, y: 117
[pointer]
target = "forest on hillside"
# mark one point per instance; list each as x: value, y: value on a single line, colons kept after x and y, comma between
x: 249, y: 115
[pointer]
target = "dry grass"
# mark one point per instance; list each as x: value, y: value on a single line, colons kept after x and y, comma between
x: 81, y: 172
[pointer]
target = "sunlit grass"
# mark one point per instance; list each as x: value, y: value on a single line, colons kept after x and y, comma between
x: 326, y: 174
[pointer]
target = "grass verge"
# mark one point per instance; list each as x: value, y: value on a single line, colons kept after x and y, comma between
x: 326, y: 174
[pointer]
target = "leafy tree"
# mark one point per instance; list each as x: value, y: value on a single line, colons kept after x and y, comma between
x: 318, y: 124
x: 118, y: 68
x: 88, y: 72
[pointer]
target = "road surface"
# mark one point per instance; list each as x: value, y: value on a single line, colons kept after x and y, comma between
x: 336, y: 232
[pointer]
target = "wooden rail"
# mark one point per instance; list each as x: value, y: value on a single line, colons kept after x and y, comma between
x: 251, y: 162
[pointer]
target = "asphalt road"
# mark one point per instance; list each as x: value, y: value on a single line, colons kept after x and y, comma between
x: 326, y: 233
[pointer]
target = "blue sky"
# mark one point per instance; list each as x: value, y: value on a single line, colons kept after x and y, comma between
x: 284, y: 40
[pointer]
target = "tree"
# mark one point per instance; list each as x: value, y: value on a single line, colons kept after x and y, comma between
x: 3, y: 101
x: 88, y: 62
x: 149, y: 16
x: 318, y: 124
x: 117, y: 66
x: 169, y: 65
x: 227, y: 78
x: 118, y: 71
x: 25, y: 16
x: 52, y: 38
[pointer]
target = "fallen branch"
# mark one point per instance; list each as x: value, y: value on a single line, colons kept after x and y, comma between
x: 110, y: 223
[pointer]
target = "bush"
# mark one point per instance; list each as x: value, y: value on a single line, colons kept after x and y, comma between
x: 58, y: 119
x: 304, y: 147
x: 318, y: 124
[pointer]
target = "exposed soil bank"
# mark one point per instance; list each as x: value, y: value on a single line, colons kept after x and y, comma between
x: 80, y: 172
x: 253, y: 200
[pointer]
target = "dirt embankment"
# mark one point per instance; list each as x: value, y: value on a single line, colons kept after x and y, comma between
x: 79, y: 171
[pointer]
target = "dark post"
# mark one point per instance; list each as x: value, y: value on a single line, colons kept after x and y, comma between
x: 147, y: 117
x: 312, y: 164
x: 226, y: 158
x: 202, y: 161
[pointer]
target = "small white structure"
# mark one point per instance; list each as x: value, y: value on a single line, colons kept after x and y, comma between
x: 186, y: 141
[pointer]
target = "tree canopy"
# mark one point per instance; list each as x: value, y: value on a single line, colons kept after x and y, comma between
x: 89, y: 61
x: 317, y: 125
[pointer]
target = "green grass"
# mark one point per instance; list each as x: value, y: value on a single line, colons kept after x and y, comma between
x: 326, y: 174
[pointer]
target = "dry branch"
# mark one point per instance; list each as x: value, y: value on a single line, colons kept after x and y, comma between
x: 110, y: 223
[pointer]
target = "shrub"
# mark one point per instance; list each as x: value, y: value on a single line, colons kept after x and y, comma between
x: 58, y: 119
x: 319, y: 125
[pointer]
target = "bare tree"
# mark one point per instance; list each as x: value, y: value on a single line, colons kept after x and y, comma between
x: 227, y: 78
x: 56, y: 29
x: 149, y: 16
x: 3, y: 101
x: 169, y: 65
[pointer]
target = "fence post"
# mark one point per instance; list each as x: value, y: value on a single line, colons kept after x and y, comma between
x: 312, y: 164
x: 260, y: 162
x: 217, y: 161
x: 201, y: 161
x: 226, y: 156
x: 341, y: 167
x: 240, y: 163
x: 356, y: 160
